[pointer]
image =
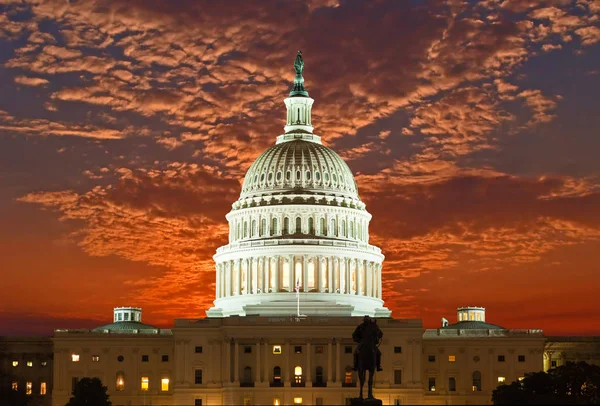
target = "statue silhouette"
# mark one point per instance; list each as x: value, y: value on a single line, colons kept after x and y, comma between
x: 368, y: 336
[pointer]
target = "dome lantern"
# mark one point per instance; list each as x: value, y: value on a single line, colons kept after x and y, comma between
x: 298, y: 105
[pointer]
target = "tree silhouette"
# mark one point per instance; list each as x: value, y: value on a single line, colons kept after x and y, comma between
x: 572, y: 383
x: 89, y: 392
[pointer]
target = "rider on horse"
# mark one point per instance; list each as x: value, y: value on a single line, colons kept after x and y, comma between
x: 359, y: 335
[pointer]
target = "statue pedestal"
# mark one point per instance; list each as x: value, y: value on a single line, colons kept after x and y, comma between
x: 366, y: 402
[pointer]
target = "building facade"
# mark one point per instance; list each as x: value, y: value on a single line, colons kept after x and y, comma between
x: 293, y: 282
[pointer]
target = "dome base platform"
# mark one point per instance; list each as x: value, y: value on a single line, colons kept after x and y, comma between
x: 286, y: 304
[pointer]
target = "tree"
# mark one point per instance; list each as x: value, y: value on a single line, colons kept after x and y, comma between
x: 89, y: 392
x: 573, y: 383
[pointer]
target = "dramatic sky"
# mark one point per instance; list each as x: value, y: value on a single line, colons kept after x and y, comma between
x: 472, y: 127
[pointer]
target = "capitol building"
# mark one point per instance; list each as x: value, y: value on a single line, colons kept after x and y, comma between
x: 296, y: 277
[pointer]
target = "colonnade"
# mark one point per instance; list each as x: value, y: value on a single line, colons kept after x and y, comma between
x: 282, y: 273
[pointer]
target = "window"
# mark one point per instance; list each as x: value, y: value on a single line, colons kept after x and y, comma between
x: 276, y: 375
x: 397, y: 350
x: 520, y: 379
x: 29, y: 364
x: 198, y: 350
x: 298, y: 374
x: 247, y: 349
x: 42, y: 388
x: 120, y: 381
x: 348, y: 349
x: 28, y: 386
x: 165, y: 358
x: 452, y: 384
x: 15, y: 363
x: 164, y: 384
x: 397, y: 377
x: 277, y: 349
x: 451, y: 358
x: 197, y: 402
x: 319, y: 375
x: 44, y: 363
x: 74, y: 358
x: 274, y: 227
x: 501, y: 379
x: 298, y: 349
x: 298, y: 225
x: 500, y: 358
x: 120, y: 358
x: 553, y: 364
x: 198, y: 376
x: 348, y: 376
x: 431, y: 384
x: 126, y: 316
x: 297, y: 401
x: 397, y: 402
x: 286, y: 225
x: 431, y: 358
x: 14, y: 385
x: 247, y: 401
x: 276, y: 402
x: 476, y: 381
x: 95, y: 358
x: 318, y: 401
x: 144, y: 358
x: 318, y: 349
x: 521, y: 358
x: 247, y: 378
x: 144, y: 383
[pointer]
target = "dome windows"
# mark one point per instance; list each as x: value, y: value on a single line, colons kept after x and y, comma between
x: 288, y: 176
x: 307, y: 175
x: 334, y: 176
x: 262, y: 178
x: 298, y: 175
x: 279, y: 176
x: 270, y: 177
x: 318, y: 176
x: 326, y: 177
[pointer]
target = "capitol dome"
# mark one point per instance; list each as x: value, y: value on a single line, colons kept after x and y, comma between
x: 298, y: 234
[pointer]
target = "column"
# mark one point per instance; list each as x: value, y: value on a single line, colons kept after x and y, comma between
x: 336, y: 275
x: 227, y: 369
x: 308, y: 366
x: 380, y: 274
x: 228, y: 279
x: 338, y: 361
x: 286, y: 364
x: 348, y: 289
x: 369, y: 275
x: 329, y: 362
x: 358, y: 277
x: 218, y: 282
x: 330, y: 274
x: 305, y: 272
x: 236, y: 363
x: 291, y: 267
x: 277, y: 272
x: 238, y: 275
x: 257, y: 377
x: 266, y: 374
x: 266, y: 273
x: 319, y: 281
x: 248, y: 285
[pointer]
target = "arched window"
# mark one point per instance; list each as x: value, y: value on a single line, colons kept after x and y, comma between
x: 322, y: 227
x: 120, y: 381
x: 245, y: 229
x: 343, y: 228
x: 333, y: 228
x: 319, y: 376
x: 360, y: 236
x: 247, y: 375
x: 238, y: 234
x: 348, y: 376
x: 277, y: 375
x: 298, y: 225
x: 311, y: 226
x: 274, y: 226
x: 263, y: 227
x: 476, y: 381
x: 253, y: 227
x: 298, y: 374
x: 286, y: 225
x: 351, y: 229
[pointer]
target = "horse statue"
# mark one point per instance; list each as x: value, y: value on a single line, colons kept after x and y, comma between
x: 367, y: 356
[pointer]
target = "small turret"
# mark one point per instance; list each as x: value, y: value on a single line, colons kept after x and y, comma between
x: 122, y: 314
x: 470, y: 313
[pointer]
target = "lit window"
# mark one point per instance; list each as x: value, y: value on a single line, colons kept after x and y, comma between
x: 29, y: 364
x: 95, y: 358
x: 75, y: 357
x: 28, y: 387
x: 348, y: 376
x: 298, y: 374
x: 501, y: 379
x: 277, y: 349
x: 15, y: 385
x: 432, y: 384
x: 44, y: 363
x: 164, y: 384
x: 42, y: 388
x: 298, y: 349
x: 297, y: 401
x: 521, y: 378
x: 247, y: 401
x: 276, y: 402
x: 120, y: 381
x: 15, y: 363
x: 144, y: 383
x: 451, y: 358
